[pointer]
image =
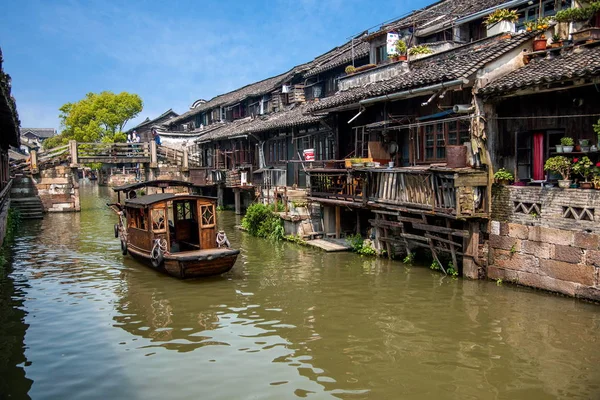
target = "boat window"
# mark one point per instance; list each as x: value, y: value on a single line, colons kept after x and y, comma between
x: 208, y: 215
x: 184, y: 211
x: 137, y: 218
x: 158, y: 219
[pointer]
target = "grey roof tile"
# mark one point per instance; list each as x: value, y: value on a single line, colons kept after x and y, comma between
x: 457, y: 63
x: 40, y: 132
x: 578, y: 63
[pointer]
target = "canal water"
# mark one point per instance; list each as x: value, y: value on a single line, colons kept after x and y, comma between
x: 287, y: 322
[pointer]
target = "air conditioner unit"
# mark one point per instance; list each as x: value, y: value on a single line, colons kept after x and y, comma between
x: 285, y: 89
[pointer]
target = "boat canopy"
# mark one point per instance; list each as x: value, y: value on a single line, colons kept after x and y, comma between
x: 145, y: 201
x: 159, y: 183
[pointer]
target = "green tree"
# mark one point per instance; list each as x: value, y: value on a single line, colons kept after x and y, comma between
x: 99, y: 117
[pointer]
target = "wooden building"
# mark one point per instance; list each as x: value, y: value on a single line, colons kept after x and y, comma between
x: 9, y: 136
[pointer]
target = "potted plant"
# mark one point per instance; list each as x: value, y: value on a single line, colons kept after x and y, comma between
x: 419, y: 51
x: 559, y: 148
x: 583, y: 167
x: 584, y: 15
x: 350, y: 69
x: 500, y: 21
x: 567, y: 144
x: 561, y: 165
x: 503, y: 176
x: 401, y: 49
x: 585, y: 145
x: 596, y: 182
x: 557, y: 41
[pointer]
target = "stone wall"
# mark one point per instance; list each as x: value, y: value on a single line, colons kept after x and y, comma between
x: 546, y: 238
x: 120, y: 179
x: 58, y: 189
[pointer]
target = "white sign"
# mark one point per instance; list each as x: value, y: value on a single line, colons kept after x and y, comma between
x: 392, y: 38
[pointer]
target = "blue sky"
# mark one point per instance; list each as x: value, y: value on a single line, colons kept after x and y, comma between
x: 169, y: 52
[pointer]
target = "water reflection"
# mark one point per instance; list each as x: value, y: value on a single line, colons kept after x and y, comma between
x: 287, y: 321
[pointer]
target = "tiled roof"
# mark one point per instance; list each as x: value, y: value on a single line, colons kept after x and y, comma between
x: 440, y: 14
x: 40, y: 132
x: 9, y: 118
x: 458, y: 63
x: 292, y: 116
x: 578, y: 63
x: 254, y: 89
x: 341, y: 55
x: 148, y: 121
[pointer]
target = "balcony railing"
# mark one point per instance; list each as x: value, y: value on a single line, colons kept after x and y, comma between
x: 338, y: 185
x: 458, y: 192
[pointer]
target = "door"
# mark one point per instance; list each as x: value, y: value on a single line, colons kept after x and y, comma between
x: 539, y: 155
x: 208, y: 234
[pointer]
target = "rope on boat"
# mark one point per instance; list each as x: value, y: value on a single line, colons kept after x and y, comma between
x: 222, y: 239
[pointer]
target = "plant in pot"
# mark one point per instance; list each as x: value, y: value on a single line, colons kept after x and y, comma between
x: 584, y: 167
x: 500, y: 21
x: 561, y: 165
x: 556, y: 41
x: 350, y: 69
x: 539, y: 26
x: 585, y: 145
x: 567, y: 144
x: 585, y: 15
x: 401, y: 49
x: 503, y: 176
x: 596, y: 176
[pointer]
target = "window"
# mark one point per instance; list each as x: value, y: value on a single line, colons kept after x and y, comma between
x: 137, y: 218
x: 433, y: 139
x: 208, y: 216
x: 158, y: 220
x: 531, y: 13
x: 381, y: 54
x: 184, y: 211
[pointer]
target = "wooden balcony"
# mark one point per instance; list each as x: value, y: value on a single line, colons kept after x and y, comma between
x: 338, y: 185
x: 461, y: 193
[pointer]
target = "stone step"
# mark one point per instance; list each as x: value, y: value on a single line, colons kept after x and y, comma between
x: 32, y: 215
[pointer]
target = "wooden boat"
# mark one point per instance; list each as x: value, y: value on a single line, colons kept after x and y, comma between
x: 172, y: 232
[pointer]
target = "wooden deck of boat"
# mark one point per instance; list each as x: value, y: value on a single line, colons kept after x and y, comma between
x: 330, y: 245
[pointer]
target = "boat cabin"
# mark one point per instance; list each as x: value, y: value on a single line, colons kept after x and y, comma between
x: 181, y: 222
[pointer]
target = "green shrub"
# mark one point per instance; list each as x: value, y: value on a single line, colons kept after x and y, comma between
x: 260, y: 221
x: 435, y: 266
x: 408, y: 260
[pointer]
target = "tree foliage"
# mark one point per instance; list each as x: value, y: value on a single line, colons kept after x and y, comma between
x: 99, y: 117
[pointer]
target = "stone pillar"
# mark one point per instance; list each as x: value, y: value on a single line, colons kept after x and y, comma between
x: 220, y: 195
x: 338, y: 222
x: 73, y: 152
x: 153, y: 155
x: 238, y: 201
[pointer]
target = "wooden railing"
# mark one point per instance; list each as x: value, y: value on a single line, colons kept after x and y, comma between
x: 461, y: 193
x: 337, y: 185
x: 421, y: 189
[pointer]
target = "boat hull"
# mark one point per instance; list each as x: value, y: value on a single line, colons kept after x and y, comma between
x: 193, y: 264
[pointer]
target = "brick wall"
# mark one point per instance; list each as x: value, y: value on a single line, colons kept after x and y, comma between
x: 58, y: 189
x: 546, y: 238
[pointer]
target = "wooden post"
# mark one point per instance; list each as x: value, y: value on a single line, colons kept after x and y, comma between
x: 238, y: 203
x: 33, y: 161
x: 73, y: 151
x: 357, y: 222
x: 471, y: 252
x: 338, y: 222
x: 285, y: 196
x: 153, y: 155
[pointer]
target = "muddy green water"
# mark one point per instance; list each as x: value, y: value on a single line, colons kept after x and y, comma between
x: 287, y: 322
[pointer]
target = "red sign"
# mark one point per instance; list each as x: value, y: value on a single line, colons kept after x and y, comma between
x: 309, y: 155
